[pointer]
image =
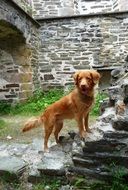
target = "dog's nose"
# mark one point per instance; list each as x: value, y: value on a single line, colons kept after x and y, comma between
x: 83, y: 86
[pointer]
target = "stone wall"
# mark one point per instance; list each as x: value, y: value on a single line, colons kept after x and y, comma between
x: 19, y: 43
x: 115, y: 5
x: 44, y: 8
x: 123, y: 5
x: 26, y: 5
x: 79, y: 43
x: 120, y: 5
x: 93, y: 6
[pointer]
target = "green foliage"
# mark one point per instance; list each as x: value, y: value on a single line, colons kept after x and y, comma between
x: 2, y: 124
x: 35, y: 104
x: 96, y: 108
x: 46, y: 183
x: 118, y: 181
x: 4, y: 107
x: 51, y: 184
x: 40, y: 100
x: 3, y: 127
x: 80, y: 183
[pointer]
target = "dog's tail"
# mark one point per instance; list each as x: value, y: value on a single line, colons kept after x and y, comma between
x: 32, y: 123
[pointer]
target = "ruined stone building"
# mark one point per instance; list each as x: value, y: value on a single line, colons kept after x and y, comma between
x: 42, y: 42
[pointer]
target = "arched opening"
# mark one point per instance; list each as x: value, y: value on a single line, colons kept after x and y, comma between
x: 15, y: 67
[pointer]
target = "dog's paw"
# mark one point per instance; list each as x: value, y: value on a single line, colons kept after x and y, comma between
x: 83, y: 134
x: 88, y: 130
x: 46, y: 150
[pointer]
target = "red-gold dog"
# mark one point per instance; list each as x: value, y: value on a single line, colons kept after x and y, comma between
x: 75, y: 105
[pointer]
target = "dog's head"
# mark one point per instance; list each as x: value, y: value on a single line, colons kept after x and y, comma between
x: 86, y: 80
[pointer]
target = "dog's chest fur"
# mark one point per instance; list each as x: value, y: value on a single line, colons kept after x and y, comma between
x: 82, y: 103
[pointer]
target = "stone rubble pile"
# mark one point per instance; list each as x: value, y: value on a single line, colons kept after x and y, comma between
x: 96, y: 157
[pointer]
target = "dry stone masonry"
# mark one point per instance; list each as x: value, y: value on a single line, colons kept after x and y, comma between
x: 19, y: 43
x: 26, y: 5
x: 46, y: 8
x: 80, y: 43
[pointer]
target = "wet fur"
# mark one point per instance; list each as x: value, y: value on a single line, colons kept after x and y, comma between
x: 75, y: 105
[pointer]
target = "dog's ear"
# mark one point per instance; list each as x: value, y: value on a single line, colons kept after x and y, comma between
x: 95, y: 76
x: 75, y: 76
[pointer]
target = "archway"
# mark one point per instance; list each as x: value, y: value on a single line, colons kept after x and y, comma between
x: 15, y: 64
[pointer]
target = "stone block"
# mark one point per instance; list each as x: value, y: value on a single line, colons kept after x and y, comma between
x: 53, y: 164
x: 12, y: 85
x: 11, y: 167
x: 48, y: 77
x: 120, y: 123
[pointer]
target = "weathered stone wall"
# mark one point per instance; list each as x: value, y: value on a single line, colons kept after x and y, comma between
x: 120, y: 5
x: 19, y: 42
x: 44, y: 8
x: 93, y: 6
x: 123, y: 5
x: 115, y: 5
x: 80, y: 43
x: 26, y: 5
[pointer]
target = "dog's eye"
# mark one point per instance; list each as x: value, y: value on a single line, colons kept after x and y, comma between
x: 88, y: 78
x: 79, y: 79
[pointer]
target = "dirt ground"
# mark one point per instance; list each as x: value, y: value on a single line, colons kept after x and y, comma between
x: 12, y: 131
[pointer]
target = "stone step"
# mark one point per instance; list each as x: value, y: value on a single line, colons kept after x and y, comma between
x: 104, y: 158
x: 91, y: 173
x: 116, y: 135
x: 87, y: 163
x: 53, y: 163
x: 103, y: 145
x: 11, y: 167
x: 120, y: 124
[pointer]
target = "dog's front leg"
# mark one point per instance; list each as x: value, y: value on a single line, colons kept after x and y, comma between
x: 86, y: 123
x: 82, y: 132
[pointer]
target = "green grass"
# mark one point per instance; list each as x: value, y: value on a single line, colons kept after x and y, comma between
x: 48, y: 183
x: 96, y: 108
x: 39, y: 101
x: 2, y: 124
x: 35, y: 104
x: 4, y: 127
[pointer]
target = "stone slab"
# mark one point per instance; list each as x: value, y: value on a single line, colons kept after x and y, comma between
x: 12, y: 167
x: 54, y: 163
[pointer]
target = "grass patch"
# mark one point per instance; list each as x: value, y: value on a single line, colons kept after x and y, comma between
x: 2, y: 124
x: 96, y: 108
x: 46, y: 183
x: 40, y: 100
x: 35, y: 104
x: 3, y: 127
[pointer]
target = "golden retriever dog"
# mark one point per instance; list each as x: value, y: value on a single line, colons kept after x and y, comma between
x: 75, y: 105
